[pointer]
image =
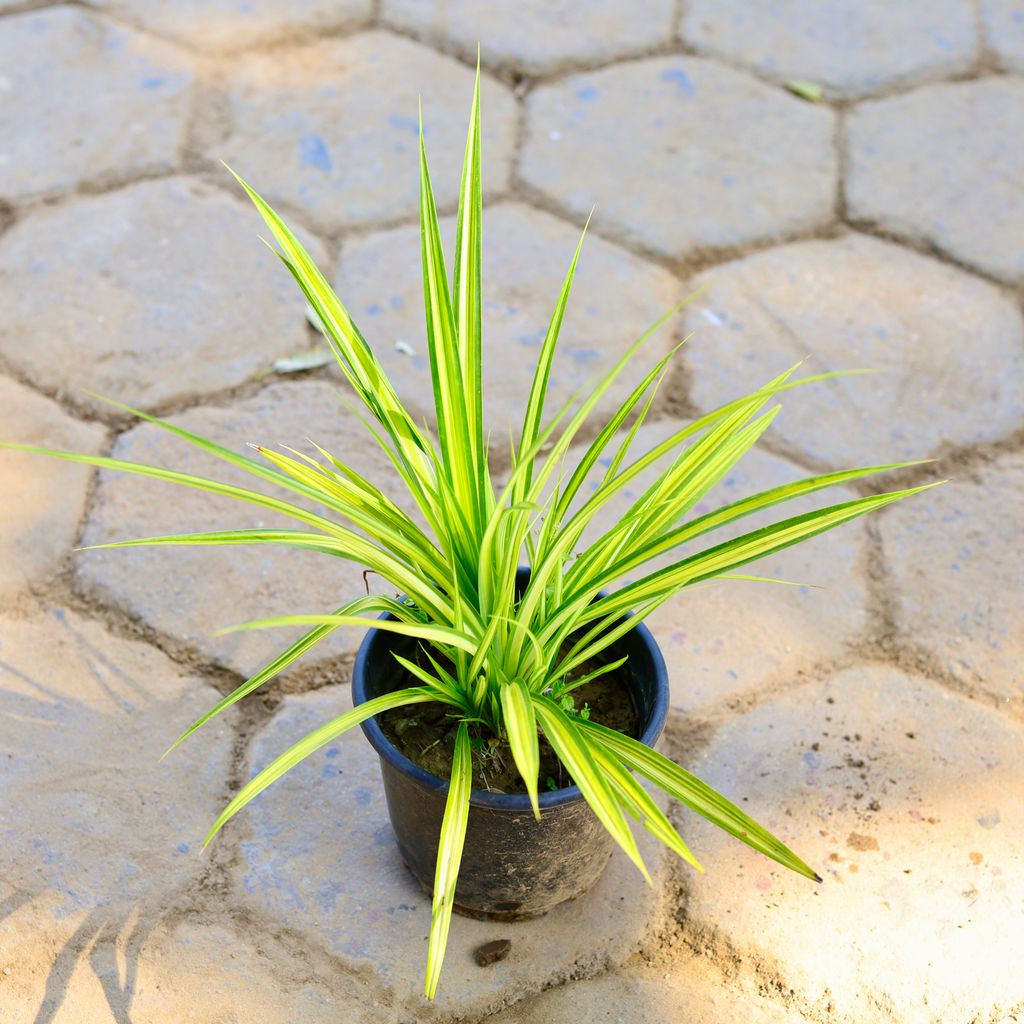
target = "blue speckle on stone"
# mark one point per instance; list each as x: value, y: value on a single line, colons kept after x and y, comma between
x: 404, y: 123
x: 944, y: 41
x: 58, y: 614
x: 373, y: 309
x: 588, y: 93
x: 328, y: 896
x: 153, y: 82
x: 395, y: 302
x: 681, y: 80
x: 733, y: 674
x: 811, y: 759
x: 530, y: 339
x: 363, y: 795
x: 313, y: 152
x: 728, y: 179
x: 182, y: 847
x: 332, y: 751
x: 989, y: 819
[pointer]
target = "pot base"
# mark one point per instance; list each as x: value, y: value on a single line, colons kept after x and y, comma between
x: 511, y: 914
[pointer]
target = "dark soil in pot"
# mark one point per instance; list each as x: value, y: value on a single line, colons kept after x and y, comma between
x: 425, y: 733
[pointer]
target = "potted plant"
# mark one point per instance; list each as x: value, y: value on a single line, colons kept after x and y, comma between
x: 518, y: 671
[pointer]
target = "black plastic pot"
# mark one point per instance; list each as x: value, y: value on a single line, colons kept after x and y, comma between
x: 513, y: 866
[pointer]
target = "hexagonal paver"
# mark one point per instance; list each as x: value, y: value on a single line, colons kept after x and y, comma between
x: 849, y: 49
x: 332, y: 128
x: 940, y: 165
x: 95, y: 834
x: 907, y: 800
x: 84, y: 100
x: 945, y: 341
x: 645, y: 142
x: 526, y: 254
x: 235, y: 24
x: 199, y: 970
x: 1003, y: 22
x: 689, y: 991
x: 353, y: 896
x: 956, y: 575
x: 152, y: 294
x: 189, y: 592
x: 536, y: 36
x: 43, y: 499
x: 723, y: 640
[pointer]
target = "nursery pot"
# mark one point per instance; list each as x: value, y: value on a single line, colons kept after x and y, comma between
x: 513, y: 866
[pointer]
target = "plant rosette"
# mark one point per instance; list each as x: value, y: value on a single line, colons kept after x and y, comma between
x: 503, y: 659
x: 514, y: 866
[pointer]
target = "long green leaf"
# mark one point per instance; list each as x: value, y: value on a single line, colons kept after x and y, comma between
x: 466, y: 287
x: 573, y: 750
x: 542, y: 374
x: 443, y: 635
x: 696, y: 795
x: 521, y: 729
x: 449, y: 856
x: 640, y: 805
x: 271, y: 669
x: 354, y: 355
x: 349, y: 545
x: 452, y: 404
x: 746, y: 548
x: 736, y: 510
x: 314, y: 741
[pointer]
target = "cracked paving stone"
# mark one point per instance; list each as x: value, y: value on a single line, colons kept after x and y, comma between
x: 352, y: 896
x: 689, y: 991
x: 152, y: 294
x: 944, y: 339
x: 43, y: 499
x: 187, y: 593
x: 906, y: 798
x: 331, y: 129
x: 656, y: 125
x: 940, y: 166
x: 235, y: 24
x: 721, y: 640
x: 86, y: 100
x: 526, y: 254
x: 954, y: 561
x: 536, y: 36
x: 96, y: 835
x: 850, y: 49
x: 1003, y: 23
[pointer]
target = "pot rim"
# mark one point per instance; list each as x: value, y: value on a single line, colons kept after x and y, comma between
x: 508, y: 802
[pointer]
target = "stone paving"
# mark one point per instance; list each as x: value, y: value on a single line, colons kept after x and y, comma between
x: 873, y: 717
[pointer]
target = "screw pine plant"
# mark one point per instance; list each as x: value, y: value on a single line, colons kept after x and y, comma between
x: 500, y: 659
